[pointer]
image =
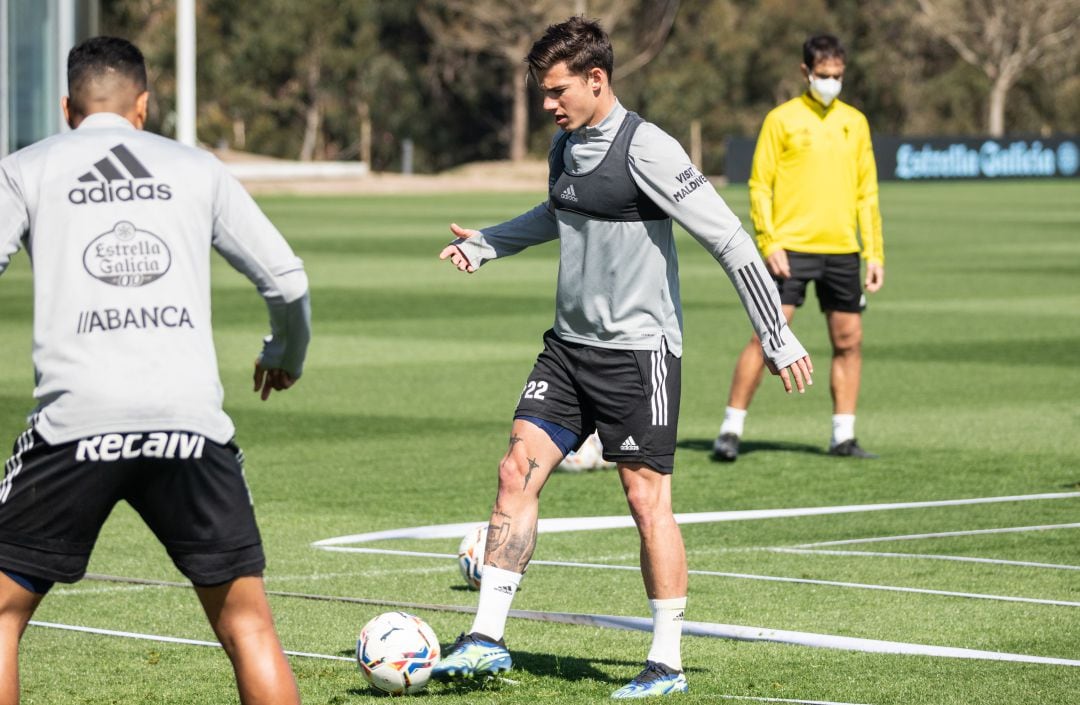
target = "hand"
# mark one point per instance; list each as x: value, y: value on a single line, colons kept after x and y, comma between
x: 454, y: 253
x: 801, y: 370
x: 267, y: 379
x: 875, y: 276
x: 778, y: 265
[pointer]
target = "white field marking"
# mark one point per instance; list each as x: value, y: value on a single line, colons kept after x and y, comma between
x: 782, y: 700
x: 927, y: 556
x: 166, y: 639
x: 214, y: 644
x: 749, y: 576
x: 315, y: 577
x: 707, y: 629
x: 550, y: 526
x: 940, y: 534
x: 99, y: 590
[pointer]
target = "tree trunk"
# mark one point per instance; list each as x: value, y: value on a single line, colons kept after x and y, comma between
x: 995, y: 118
x: 312, y: 124
x: 363, y: 112
x: 519, y: 121
x: 313, y: 112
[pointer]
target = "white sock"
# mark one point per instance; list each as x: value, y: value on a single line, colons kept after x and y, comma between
x: 667, y: 631
x: 843, y: 428
x: 497, y: 589
x: 733, y: 421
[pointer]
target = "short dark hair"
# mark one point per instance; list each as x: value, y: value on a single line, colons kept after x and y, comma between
x: 581, y: 43
x: 98, y: 56
x: 821, y: 47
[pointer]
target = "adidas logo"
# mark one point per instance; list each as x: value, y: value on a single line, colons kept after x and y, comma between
x: 505, y: 589
x: 629, y: 444
x: 568, y: 194
x: 114, y: 178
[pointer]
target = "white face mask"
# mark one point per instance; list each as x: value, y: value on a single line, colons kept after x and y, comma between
x: 825, y: 89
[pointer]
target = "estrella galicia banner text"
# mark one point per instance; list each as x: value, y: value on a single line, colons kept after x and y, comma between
x: 948, y: 158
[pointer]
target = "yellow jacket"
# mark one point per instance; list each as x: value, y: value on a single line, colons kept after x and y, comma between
x: 813, y: 178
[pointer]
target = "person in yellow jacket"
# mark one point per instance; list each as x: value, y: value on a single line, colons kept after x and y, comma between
x: 814, y: 203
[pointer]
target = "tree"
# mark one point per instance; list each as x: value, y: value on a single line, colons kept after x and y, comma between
x: 1002, y: 38
x: 507, y: 30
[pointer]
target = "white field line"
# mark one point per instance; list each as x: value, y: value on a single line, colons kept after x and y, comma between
x: 166, y: 639
x: 549, y: 526
x: 707, y: 629
x: 939, y: 534
x: 214, y: 644
x: 745, y: 576
x: 782, y: 700
x: 925, y: 556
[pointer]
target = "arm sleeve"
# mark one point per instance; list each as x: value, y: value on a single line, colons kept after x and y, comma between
x: 868, y: 209
x: 531, y: 228
x: 14, y: 216
x: 247, y: 239
x: 762, y: 175
x: 662, y: 170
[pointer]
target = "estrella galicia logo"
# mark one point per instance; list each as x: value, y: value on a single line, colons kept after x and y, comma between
x: 127, y: 256
x: 122, y: 180
x: 1068, y: 158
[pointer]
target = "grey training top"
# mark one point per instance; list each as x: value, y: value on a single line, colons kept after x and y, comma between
x: 119, y: 224
x: 618, y: 280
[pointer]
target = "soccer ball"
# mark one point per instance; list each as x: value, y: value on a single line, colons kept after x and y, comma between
x: 590, y: 456
x: 396, y: 652
x: 470, y: 555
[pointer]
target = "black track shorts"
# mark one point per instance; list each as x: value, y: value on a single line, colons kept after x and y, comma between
x: 189, y: 490
x: 837, y: 281
x: 631, y: 397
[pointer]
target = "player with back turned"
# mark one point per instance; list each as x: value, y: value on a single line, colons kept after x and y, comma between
x: 612, y: 360
x: 119, y: 224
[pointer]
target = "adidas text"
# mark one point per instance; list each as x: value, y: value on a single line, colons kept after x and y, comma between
x: 122, y: 192
x: 110, y: 447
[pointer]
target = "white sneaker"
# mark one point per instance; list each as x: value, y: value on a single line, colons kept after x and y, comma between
x: 590, y: 456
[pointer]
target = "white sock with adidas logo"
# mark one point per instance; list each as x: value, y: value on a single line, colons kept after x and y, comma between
x: 497, y: 590
x: 667, y: 631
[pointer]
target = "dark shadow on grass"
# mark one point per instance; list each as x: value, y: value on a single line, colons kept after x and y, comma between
x: 567, y: 668
x: 748, y: 447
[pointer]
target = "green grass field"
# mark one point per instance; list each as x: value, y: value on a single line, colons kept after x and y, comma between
x: 970, y: 391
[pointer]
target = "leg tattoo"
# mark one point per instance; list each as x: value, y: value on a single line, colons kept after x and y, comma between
x: 532, y: 466
x: 508, y: 549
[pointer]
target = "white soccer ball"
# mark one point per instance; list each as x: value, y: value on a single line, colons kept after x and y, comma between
x: 590, y: 456
x: 470, y: 555
x: 396, y: 652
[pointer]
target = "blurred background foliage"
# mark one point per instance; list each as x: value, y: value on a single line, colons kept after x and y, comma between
x: 352, y: 79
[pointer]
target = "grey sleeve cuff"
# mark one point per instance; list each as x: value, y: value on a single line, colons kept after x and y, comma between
x: 759, y: 297
x: 290, y: 332
x: 530, y: 228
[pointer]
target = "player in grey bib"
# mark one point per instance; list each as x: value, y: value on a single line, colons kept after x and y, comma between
x: 610, y: 361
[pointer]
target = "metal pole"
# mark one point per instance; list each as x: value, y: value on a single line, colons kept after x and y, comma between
x: 5, y: 44
x: 65, y: 26
x: 185, y: 72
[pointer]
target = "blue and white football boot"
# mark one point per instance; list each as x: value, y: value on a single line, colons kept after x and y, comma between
x: 472, y: 655
x: 656, y: 679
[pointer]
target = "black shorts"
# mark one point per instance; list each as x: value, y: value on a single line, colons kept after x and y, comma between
x: 631, y: 397
x: 837, y: 281
x: 189, y: 490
